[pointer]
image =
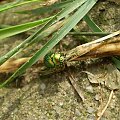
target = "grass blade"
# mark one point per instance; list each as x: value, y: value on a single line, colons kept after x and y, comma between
x: 92, y: 24
x: 90, y: 33
x: 10, y: 31
x: 15, y: 4
x: 116, y: 61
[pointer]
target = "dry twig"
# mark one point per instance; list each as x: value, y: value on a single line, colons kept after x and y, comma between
x: 110, y: 97
x: 76, y: 87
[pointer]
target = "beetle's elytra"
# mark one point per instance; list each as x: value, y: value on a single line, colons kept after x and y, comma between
x: 52, y: 60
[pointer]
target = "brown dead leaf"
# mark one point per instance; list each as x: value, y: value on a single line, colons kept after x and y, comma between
x: 105, y: 74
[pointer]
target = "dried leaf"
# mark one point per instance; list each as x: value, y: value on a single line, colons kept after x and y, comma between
x: 105, y: 74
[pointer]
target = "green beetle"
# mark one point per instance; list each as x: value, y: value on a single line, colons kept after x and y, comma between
x: 52, y: 60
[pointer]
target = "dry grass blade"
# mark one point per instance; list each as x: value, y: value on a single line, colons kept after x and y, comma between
x: 110, y: 97
x: 12, y: 64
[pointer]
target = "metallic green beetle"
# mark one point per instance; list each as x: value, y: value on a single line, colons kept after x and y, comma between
x: 52, y: 60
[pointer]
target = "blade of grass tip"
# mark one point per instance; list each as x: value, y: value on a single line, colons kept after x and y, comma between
x: 13, y: 30
x: 16, y: 4
x: 72, y: 21
x: 74, y: 5
x: 92, y: 24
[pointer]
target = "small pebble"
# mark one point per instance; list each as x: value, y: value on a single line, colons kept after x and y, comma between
x: 90, y: 110
x: 77, y: 112
x: 43, y: 86
x: 97, y: 97
x: 89, y: 89
x: 57, y: 109
x: 61, y: 103
x: 91, y: 117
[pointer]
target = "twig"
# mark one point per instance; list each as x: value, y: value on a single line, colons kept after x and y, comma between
x: 76, y: 87
x: 110, y: 97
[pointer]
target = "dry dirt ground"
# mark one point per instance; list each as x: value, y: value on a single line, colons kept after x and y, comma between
x: 53, y: 97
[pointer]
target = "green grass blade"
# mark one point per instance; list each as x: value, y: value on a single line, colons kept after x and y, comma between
x: 90, y: 33
x: 116, y: 61
x: 91, y: 24
x: 15, y: 4
x: 33, y: 37
x: 70, y: 8
x: 72, y: 21
x: 10, y: 31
